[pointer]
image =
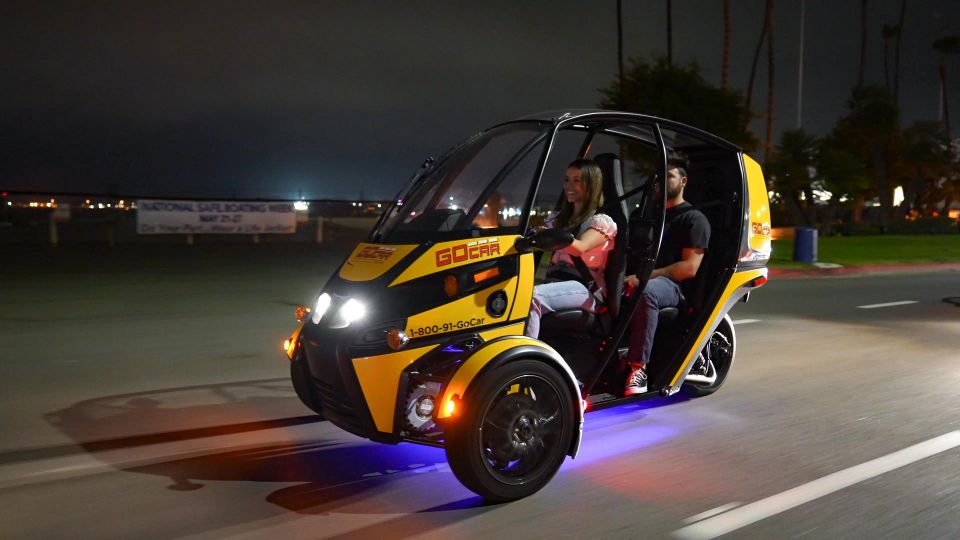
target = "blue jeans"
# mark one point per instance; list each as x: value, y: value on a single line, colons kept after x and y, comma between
x: 550, y: 297
x: 659, y: 293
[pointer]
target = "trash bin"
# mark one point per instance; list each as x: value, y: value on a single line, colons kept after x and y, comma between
x: 805, y: 244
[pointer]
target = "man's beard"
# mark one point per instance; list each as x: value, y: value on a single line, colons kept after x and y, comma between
x: 674, y: 192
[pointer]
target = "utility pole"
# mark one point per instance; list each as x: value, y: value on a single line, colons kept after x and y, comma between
x: 803, y: 10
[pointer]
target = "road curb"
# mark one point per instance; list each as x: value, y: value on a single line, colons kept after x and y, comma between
x: 793, y: 273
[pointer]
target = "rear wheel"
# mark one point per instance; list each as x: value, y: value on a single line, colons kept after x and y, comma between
x: 713, y: 364
x: 514, y: 431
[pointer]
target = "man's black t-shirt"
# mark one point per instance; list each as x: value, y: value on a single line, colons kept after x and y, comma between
x: 684, y: 227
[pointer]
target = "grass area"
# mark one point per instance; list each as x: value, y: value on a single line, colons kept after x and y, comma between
x: 873, y: 250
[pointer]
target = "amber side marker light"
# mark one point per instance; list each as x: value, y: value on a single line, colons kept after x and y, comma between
x: 286, y: 345
x: 397, y: 339
x: 301, y: 312
x: 451, y: 406
x: 486, y: 274
x: 450, y: 285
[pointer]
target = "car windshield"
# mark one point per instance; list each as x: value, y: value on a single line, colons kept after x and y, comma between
x: 478, y: 189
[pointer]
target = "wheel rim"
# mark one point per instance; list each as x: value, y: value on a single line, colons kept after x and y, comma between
x: 717, y: 357
x: 522, y: 429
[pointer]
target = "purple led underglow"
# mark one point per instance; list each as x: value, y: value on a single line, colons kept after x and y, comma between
x: 372, y: 458
x: 607, y: 434
x: 596, y: 448
x: 611, y: 432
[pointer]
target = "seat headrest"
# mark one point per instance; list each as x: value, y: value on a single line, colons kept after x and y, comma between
x: 612, y: 170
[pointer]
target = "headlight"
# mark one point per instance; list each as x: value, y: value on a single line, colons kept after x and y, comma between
x: 323, y: 303
x: 352, y: 310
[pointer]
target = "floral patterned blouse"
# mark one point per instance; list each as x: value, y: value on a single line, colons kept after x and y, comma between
x: 596, y: 258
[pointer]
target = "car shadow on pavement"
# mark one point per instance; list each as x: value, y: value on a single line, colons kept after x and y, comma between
x: 328, y: 470
x: 175, y: 414
x: 329, y: 476
x: 321, y: 470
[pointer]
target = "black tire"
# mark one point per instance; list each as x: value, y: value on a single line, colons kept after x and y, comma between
x: 719, y: 353
x: 515, y: 430
x: 303, y: 386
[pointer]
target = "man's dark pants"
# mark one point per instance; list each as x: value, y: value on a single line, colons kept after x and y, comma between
x: 659, y: 293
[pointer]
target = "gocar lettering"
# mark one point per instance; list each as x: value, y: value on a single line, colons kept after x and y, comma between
x: 477, y: 249
x: 761, y: 229
x: 375, y: 253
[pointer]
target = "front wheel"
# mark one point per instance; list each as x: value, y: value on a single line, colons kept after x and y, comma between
x: 514, y: 431
x: 713, y: 364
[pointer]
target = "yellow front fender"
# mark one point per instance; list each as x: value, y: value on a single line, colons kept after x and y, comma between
x: 508, y: 348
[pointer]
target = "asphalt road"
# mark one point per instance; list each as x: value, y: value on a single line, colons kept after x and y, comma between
x: 143, y: 394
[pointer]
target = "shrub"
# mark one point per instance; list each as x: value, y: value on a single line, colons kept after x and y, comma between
x: 924, y: 225
x: 859, y: 229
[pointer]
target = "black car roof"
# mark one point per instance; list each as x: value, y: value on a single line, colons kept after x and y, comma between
x: 572, y: 115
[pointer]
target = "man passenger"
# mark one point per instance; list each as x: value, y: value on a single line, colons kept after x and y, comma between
x: 686, y: 235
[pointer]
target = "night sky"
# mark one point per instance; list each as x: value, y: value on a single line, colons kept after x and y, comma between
x: 346, y: 99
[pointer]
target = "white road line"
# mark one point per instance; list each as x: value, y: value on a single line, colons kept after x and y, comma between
x: 781, y: 502
x: 745, y: 321
x: 711, y: 513
x: 888, y: 304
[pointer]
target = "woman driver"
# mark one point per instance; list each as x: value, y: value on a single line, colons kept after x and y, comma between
x: 594, y: 235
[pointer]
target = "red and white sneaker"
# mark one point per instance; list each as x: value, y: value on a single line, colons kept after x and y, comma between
x: 636, y: 382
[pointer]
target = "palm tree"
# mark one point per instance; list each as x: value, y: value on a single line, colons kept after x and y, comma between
x: 890, y: 33
x: 620, y: 43
x: 770, y: 81
x: 896, y: 63
x: 670, y: 31
x: 756, y: 57
x: 925, y: 159
x: 863, y: 40
x: 789, y: 169
x: 946, y: 46
x: 725, y: 66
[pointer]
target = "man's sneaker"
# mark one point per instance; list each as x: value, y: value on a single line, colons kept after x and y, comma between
x: 636, y: 382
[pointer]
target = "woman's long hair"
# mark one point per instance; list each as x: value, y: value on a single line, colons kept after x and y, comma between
x: 593, y: 182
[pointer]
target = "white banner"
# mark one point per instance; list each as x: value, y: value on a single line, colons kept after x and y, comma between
x: 215, y: 217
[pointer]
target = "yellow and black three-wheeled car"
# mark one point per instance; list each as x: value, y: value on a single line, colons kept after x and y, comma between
x: 419, y: 337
